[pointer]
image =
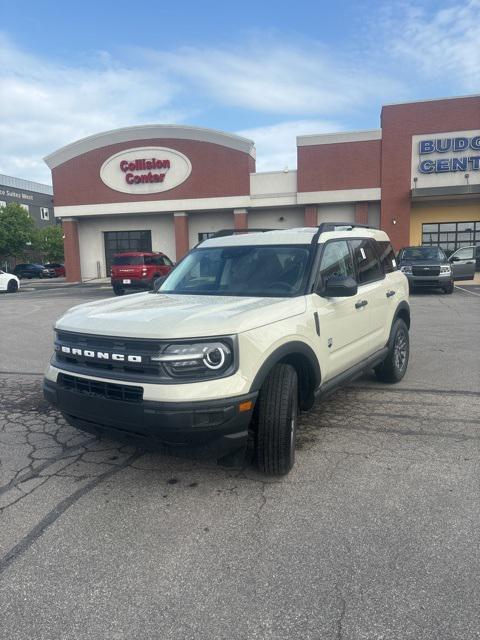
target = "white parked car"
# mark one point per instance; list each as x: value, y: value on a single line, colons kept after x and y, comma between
x: 245, y: 331
x: 8, y: 282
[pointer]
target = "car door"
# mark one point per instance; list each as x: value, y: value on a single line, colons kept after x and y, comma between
x: 463, y: 263
x: 343, y: 323
x: 371, y: 288
x: 3, y: 280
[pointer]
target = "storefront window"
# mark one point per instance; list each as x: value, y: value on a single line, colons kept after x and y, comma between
x: 451, y: 235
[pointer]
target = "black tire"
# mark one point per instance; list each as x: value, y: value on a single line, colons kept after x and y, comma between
x: 276, y: 428
x: 12, y: 286
x: 395, y: 365
x: 448, y: 288
x: 152, y: 283
x: 118, y: 291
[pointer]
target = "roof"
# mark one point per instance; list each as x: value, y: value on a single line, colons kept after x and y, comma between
x: 149, y: 132
x: 25, y: 185
x: 139, y: 253
x: 300, y: 235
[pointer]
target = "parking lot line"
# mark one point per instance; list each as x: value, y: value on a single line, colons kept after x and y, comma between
x: 467, y: 290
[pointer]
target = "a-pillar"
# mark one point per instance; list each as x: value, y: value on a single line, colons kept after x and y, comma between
x: 182, y: 244
x: 361, y: 212
x: 240, y: 219
x: 311, y: 215
x: 73, y: 271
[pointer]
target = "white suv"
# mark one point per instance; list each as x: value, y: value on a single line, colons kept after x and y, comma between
x: 244, y: 332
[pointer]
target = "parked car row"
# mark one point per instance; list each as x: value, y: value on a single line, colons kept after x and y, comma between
x: 32, y: 270
x: 424, y: 266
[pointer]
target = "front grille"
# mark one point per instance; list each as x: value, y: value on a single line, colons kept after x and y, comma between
x: 97, y: 389
x: 426, y: 271
x: 143, y: 349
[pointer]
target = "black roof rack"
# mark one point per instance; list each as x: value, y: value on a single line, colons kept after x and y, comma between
x: 333, y: 226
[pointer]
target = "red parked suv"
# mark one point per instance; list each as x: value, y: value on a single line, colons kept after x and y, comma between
x: 138, y: 270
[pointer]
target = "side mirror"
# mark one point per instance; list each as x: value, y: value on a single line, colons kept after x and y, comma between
x: 158, y: 282
x: 339, y: 287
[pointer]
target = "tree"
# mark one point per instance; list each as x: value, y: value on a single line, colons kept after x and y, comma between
x: 49, y: 241
x: 17, y: 230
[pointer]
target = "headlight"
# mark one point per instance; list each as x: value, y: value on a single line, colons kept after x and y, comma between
x: 198, y: 359
x: 407, y: 269
x: 446, y: 269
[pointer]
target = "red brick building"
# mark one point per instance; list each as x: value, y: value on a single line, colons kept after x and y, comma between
x: 166, y: 187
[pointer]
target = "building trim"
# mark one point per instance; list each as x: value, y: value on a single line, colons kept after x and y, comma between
x: 399, y: 104
x: 149, y: 132
x: 152, y: 206
x: 25, y: 185
x: 340, y: 195
x: 335, y: 138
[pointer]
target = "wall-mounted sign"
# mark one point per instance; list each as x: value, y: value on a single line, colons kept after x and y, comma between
x: 444, y: 159
x: 145, y: 170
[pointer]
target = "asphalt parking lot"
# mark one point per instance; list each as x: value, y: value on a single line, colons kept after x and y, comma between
x: 374, y: 534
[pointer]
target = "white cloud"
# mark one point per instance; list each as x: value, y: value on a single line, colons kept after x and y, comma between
x: 46, y: 104
x: 440, y: 45
x: 276, y: 144
x: 279, y: 78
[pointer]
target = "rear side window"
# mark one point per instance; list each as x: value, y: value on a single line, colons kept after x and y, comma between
x: 387, y: 256
x: 128, y: 260
x: 366, y: 261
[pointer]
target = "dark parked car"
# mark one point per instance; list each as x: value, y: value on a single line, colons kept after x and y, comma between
x: 429, y: 266
x: 58, y: 268
x: 29, y: 270
x: 138, y: 270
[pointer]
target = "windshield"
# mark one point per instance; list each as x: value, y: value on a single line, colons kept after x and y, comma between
x: 423, y: 253
x: 128, y: 260
x: 277, y: 271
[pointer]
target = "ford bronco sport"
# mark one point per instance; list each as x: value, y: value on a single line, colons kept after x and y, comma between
x: 246, y: 331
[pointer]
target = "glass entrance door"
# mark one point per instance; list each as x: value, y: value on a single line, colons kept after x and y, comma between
x: 124, y: 241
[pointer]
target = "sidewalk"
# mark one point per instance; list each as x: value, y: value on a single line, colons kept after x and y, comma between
x: 59, y: 283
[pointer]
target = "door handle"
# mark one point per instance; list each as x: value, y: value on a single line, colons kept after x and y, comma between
x: 389, y: 294
x: 360, y: 304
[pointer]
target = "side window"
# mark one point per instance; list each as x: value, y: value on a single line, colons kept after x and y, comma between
x: 167, y: 261
x: 336, y: 260
x: 366, y: 261
x: 466, y: 253
x: 387, y: 256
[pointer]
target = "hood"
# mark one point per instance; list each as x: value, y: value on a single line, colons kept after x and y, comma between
x: 423, y: 262
x: 147, y: 315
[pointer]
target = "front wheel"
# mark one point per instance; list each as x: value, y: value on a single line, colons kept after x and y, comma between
x: 12, y: 286
x: 277, y: 421
x: 448, y: 288
x: 394, y: 367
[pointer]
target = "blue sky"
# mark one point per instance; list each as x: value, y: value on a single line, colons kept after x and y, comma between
x: 267, y: 70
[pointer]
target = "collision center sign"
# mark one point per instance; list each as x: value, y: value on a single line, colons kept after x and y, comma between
x: 145, y: 170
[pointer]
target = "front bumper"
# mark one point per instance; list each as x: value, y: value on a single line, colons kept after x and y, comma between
x: 214, y: 428
x: 430, y: 281
x: 135, y: 283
